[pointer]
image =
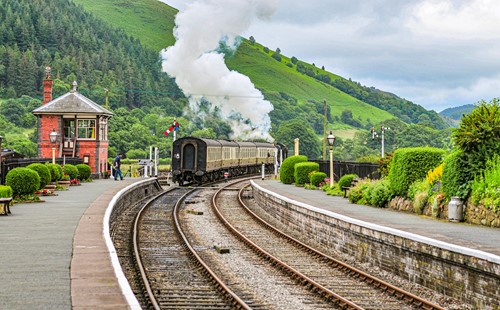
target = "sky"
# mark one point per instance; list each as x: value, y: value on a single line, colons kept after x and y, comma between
x: 437, y: 54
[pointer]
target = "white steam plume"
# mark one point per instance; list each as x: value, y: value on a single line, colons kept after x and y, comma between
x: 200, y: 71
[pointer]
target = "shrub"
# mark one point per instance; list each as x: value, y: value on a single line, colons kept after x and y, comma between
x: 302, y: 170
x: 43, y: 172
x: 317, y: 178
x: 84, y: 171
x: 380, y: 193
x: 434, y: 175
x: 23, y: 181
x: 5, y: 191
x: 419, y: 202
x: 346, y: 180
x: 486, y: 186
x: 136, y: 154
x: 70, y: 170
x: 411, y: 164
x: 418, y: 187
x: 455, y: 181
x: 55, y: 171
x: 287, y: 168
x: 355, y: 194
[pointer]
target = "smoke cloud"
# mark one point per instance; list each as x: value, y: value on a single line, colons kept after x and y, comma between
x: 200, y: 71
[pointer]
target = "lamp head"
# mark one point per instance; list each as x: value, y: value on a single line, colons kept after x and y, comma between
x: 53, y: 136
x: 331, y: 138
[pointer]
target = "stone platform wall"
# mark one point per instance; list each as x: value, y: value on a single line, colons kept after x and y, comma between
x: 469, y: 275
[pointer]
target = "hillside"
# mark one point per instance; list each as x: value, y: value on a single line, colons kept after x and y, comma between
x: 270, y: 75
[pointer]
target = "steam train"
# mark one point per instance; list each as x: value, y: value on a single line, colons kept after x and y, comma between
x: 197, y: 160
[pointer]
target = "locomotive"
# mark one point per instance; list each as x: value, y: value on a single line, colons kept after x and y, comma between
x: 205, y: 160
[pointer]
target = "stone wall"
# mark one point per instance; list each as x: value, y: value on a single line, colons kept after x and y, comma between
x: 469, y: 275
x: 478, y: 215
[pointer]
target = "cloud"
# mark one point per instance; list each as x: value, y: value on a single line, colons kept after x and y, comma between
x: 434, y: 53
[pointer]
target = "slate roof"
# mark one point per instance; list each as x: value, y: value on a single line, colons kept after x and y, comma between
x: 72, y: 103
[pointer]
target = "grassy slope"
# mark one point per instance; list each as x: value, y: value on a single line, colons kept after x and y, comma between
x: 268, y: 74
x: 152, y: 22
x: 149, y: 20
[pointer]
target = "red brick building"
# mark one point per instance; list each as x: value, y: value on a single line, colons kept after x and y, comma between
x: 81, y: 126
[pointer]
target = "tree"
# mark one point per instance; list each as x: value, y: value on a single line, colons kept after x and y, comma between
x: 298, y: 128
x: 252, y: 40
x: 294, y: 60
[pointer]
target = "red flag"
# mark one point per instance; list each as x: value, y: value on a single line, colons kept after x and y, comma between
x: 168, y: 131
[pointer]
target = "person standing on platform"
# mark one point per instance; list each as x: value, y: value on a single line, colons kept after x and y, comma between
x: 117, y: 164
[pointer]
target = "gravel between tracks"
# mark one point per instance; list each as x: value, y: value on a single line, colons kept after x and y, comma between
x: 243, y: 269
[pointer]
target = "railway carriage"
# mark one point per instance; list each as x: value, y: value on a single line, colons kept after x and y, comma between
x: 203, y: 160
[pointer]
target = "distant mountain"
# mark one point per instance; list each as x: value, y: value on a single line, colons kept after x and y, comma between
x: 457, y: 112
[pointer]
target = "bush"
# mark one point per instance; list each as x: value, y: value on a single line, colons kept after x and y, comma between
x: 302, y: 170
x: 55, y: 171
x: 455, y: 181
x: 346, y: 180
x: 23, y: 181
x: 380, y: 193
x: 317, y: 178
x: 43, y: 172
x: 5, y: 191
x: 418, y: 187
x: 84, y: 171
x: 70, y: 170
x: 287, y: 168
x: 355, y: 194
x: 136, y: 154
x: 411, y: 164
x: 420, y: 201
x: 485, y: 188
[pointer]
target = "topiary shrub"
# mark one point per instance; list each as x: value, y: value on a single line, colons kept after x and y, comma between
x: 302, y: 171
x: 84, y: 172
x: 380, y: 193
x: 5, y: 191
x: 411, y: 164
x: 23, y: 181
x: 43, y: 172
x: 287, y: 168
x: 455, y: 181
x: 346, y: 180
x: 317, y: 178
x: 55, y: 171
x: 70, y: 170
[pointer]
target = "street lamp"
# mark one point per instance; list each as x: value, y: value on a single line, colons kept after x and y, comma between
x: 331, y: 141
x: 53, y: 138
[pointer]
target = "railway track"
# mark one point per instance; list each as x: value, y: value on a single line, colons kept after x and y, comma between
x: 343, y: 285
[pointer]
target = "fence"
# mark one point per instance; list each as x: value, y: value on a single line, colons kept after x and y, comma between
x: 10, y: 164
x: 340, y: 168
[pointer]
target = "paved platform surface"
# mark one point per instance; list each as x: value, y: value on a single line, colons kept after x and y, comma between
x: 475, y: 237
x: 36, y: 249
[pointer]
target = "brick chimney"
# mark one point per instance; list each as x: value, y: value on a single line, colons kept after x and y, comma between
x: 47, y: 87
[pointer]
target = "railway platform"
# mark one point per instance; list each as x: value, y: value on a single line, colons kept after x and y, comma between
x: 464, y: 235
x: 53, y: 255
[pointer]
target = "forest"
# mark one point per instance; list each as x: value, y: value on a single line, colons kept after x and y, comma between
x: 78, y: 46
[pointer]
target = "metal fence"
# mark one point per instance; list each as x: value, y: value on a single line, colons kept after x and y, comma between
x: 10, y: 164
x: 340, y: 168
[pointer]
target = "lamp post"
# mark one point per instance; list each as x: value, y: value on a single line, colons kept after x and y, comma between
x: 53, y: 138
x: 331, y: 141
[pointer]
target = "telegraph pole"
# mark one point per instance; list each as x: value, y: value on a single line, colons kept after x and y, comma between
x: 324, y: 129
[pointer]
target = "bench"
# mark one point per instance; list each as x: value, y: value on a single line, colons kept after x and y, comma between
x: 353, y: 183
x: 6, y: 205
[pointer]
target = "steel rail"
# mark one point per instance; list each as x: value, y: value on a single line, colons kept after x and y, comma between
x: 297, y: 275
x: 374, y: 281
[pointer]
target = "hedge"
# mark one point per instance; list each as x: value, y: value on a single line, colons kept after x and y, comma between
x: 55, y: 171
x: 287, y: 168
x: 411, y: 164
x: 43, y: 172
x: 23, y: 181
x: 84, y: 171
x: 317, y: 178
x: 454, y: 181
x: 5, y: 191
x: 70, y: 170
x: 302, y: 171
